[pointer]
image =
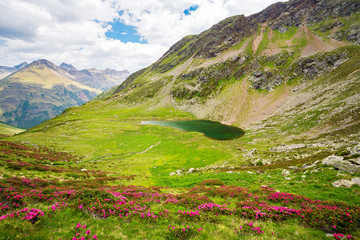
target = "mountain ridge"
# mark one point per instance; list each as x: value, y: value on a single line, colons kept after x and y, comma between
x: 41, y: 90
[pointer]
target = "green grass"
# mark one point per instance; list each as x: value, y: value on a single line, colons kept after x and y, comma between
x: 264, y: 42
x: 7, y: 130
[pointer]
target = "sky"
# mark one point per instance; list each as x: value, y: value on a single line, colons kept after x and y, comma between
x: 118, y: 34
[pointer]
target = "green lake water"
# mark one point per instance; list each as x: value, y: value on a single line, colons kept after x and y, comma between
x: 210, y: 129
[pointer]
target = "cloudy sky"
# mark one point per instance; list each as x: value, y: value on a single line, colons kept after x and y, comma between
x: 119, y: 34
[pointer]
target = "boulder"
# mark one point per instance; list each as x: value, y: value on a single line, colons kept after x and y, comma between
x: 343, y: 182
x: 341, y: 164
x: 356, y: 180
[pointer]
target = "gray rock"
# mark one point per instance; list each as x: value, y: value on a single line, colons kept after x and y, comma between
x: 355, y: 150
x: 343, y: 182
x: 287, y: 148
x: 339, y: 163
x: 293, y: 167
x: 356, y: 180
x: 311, y: 165
x: 285, y: 172
x: 251, y: 152
x: 283, y: 29
x: 191, y: 170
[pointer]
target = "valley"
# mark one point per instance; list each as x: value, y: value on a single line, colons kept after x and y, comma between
x: 112, y: 168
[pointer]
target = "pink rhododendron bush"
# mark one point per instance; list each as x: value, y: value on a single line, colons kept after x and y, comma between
x: 186, y: 214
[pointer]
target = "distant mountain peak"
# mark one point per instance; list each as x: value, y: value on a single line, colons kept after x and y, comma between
x: 67, y: 66
x: 43, y: 62
x: 21, y: 65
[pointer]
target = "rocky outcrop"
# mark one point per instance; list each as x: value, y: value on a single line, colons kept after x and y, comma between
x: 342, y: 182
x: 340, y: 163
x: 314, y: 66
x: 287, y: 148
x: 346, y: 183
x: 265, y: 80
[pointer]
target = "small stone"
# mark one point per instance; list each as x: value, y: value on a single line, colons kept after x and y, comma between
x: 191, y: 170
x: 293, y: 167
x: 83, y: 170
x: 285, y: 172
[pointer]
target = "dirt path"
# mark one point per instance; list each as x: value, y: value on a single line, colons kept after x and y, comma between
x: 258, y: 39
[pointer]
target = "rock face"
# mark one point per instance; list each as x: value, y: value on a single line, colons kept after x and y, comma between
x: 312, y: 67
x: 341, y: 164
x: 42, y: 90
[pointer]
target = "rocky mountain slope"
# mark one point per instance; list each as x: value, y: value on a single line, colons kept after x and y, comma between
x: 42, y: 90
x: 247, y: 69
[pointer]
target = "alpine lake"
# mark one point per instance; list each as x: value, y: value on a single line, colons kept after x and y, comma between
x: 211, y: 129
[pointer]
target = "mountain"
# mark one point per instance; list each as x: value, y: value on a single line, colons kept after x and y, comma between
x: 42, y: 90
x: 99, y: 79
x: 289, y: 76
x: 6, y: 71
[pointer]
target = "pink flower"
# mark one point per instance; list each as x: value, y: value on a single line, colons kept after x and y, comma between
x: 78, y: 225
x: 199, y: 229
x: 95, y: 237
x: 87, y: 232
x: 84, y: 226
x: 240, y: 227
x: 334, y: 226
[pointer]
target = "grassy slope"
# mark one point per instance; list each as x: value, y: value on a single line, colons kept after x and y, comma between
x: 7, y: 130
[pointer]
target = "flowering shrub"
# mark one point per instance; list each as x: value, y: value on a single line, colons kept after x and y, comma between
x: 31, y: 215
x: 82, y: 233
x: 181, y: 232
x: 249, y: 227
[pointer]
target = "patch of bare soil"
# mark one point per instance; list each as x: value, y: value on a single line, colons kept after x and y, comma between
x: 258, y: 39
x: 273, y: 48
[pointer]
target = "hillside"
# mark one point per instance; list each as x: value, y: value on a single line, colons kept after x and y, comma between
x: 288, y: 76
x: 42, y: 90
x: 7, y: 130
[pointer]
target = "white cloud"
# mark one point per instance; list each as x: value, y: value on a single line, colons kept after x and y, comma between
x: 73, y: 31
